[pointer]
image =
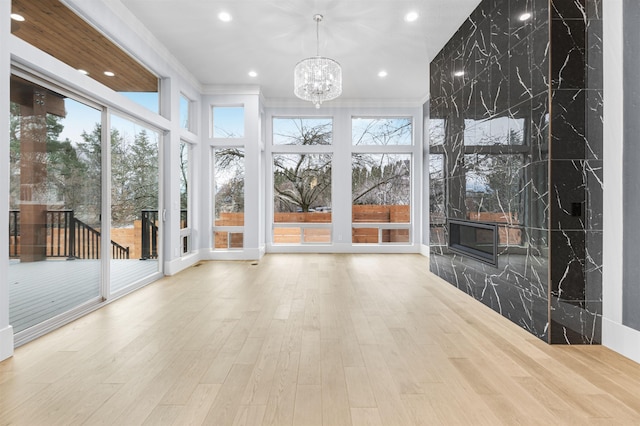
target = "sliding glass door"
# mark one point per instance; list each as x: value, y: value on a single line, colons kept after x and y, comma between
x: 54, y: 204
x: 135, y: 193
x: 62, y: 245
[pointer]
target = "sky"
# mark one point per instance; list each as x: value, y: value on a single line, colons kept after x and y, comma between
x: 81, y: 117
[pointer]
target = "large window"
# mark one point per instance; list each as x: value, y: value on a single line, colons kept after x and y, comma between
x: 54, y: 204
x: 135, y: 217
x: 228, y: 227
x: 302, y: 170
x: 302, y: 198
x: 381, y: 198
x: 381, y: 180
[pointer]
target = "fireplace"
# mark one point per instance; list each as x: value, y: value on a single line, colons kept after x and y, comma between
x: 474, y: 239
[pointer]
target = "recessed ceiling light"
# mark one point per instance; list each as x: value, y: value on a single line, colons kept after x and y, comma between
x: 411, y: 16
x: 525, y: 16
x: 85, y: 72
x: 224, y: 16
x: 458, y: 73
x: 382, y: 74
x: 17, y: 17
x: 253, y: 74
x: 109, y: 73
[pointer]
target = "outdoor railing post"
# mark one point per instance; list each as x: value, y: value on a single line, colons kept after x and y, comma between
x: 145, y: 235
x: 71, y: 226
x: 154, y: 237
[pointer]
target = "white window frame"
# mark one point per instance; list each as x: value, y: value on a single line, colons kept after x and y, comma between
x: 186, y: 232
x: 387, y: 149
x: 228, y: 229
x: 298, y: 149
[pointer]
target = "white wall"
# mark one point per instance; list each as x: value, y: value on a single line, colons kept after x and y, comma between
x: 615, y: 335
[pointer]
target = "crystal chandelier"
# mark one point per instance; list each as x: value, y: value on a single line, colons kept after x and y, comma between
x: 317, y: 79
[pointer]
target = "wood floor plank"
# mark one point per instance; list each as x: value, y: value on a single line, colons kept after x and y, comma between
x: 335, y: 398
x: 332, y: 339
x: 225, y: 407
x: 365, y: 417
x: 250, y: 415
x: 198, y: 405
x: 308, y: 406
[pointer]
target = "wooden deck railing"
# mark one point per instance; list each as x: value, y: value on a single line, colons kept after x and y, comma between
x: 67, y: 237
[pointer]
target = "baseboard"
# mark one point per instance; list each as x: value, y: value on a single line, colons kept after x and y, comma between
x: 245, y: 254
x: 344, y: 248
x: 174, y: 266
x: 6, y: 342
x: 622, y: 339
x: 424, y: 250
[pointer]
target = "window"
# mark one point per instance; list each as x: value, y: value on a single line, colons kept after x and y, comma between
x: 381, y: 193
x: 55, y: 199
x: 185, y: 112
x: 185, y: 197
x: 135, y: 201
x: 228, y: 122
x: 302, y: 198
x: 381, y: 198
x: 381, y: 131
x: 302, y: 131
x: 302, y: 170
x: 228, y: 228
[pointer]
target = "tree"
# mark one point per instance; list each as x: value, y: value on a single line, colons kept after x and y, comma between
x: 134, y: 176
x: 229, y: 181
x: 302, y: 181
x: 382, y: 131
x: 381, y: 179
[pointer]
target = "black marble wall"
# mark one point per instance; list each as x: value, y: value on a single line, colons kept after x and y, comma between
x: 511, y: 73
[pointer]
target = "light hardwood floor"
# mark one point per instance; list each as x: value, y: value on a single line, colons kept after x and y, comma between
x: 310, y: 340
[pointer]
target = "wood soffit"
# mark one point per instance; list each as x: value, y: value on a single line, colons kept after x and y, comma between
x: 57, y: 30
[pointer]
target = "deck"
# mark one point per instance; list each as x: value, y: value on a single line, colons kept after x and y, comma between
x: 41, y: 290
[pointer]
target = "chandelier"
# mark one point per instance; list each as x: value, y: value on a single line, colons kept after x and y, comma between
x: 317, y: 79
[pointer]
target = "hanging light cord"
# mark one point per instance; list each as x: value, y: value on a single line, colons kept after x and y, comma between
x: 318, y: 18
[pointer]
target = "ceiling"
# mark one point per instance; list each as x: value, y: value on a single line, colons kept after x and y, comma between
x: 55, y: 29
x: 271, y: 36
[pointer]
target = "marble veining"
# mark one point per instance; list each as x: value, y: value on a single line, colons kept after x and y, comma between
x: 515, y: 138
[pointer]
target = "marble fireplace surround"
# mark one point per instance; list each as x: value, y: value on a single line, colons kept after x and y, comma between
x: 515, y: 128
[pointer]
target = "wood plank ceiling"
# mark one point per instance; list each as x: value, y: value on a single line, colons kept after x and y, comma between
x: 54, y: 28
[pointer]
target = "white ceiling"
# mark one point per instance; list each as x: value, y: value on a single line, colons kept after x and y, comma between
x: 271, y: 36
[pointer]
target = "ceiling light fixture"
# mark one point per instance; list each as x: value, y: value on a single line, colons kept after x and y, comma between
x: 253, y: 74
x: 411, y: 16
x: 81, y: 71
x: 224, y: 16
x: 382, y: 74
x: 17, y: 17
x: 525, y: 16
x: 317, y: 79
x: 109, y: 73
